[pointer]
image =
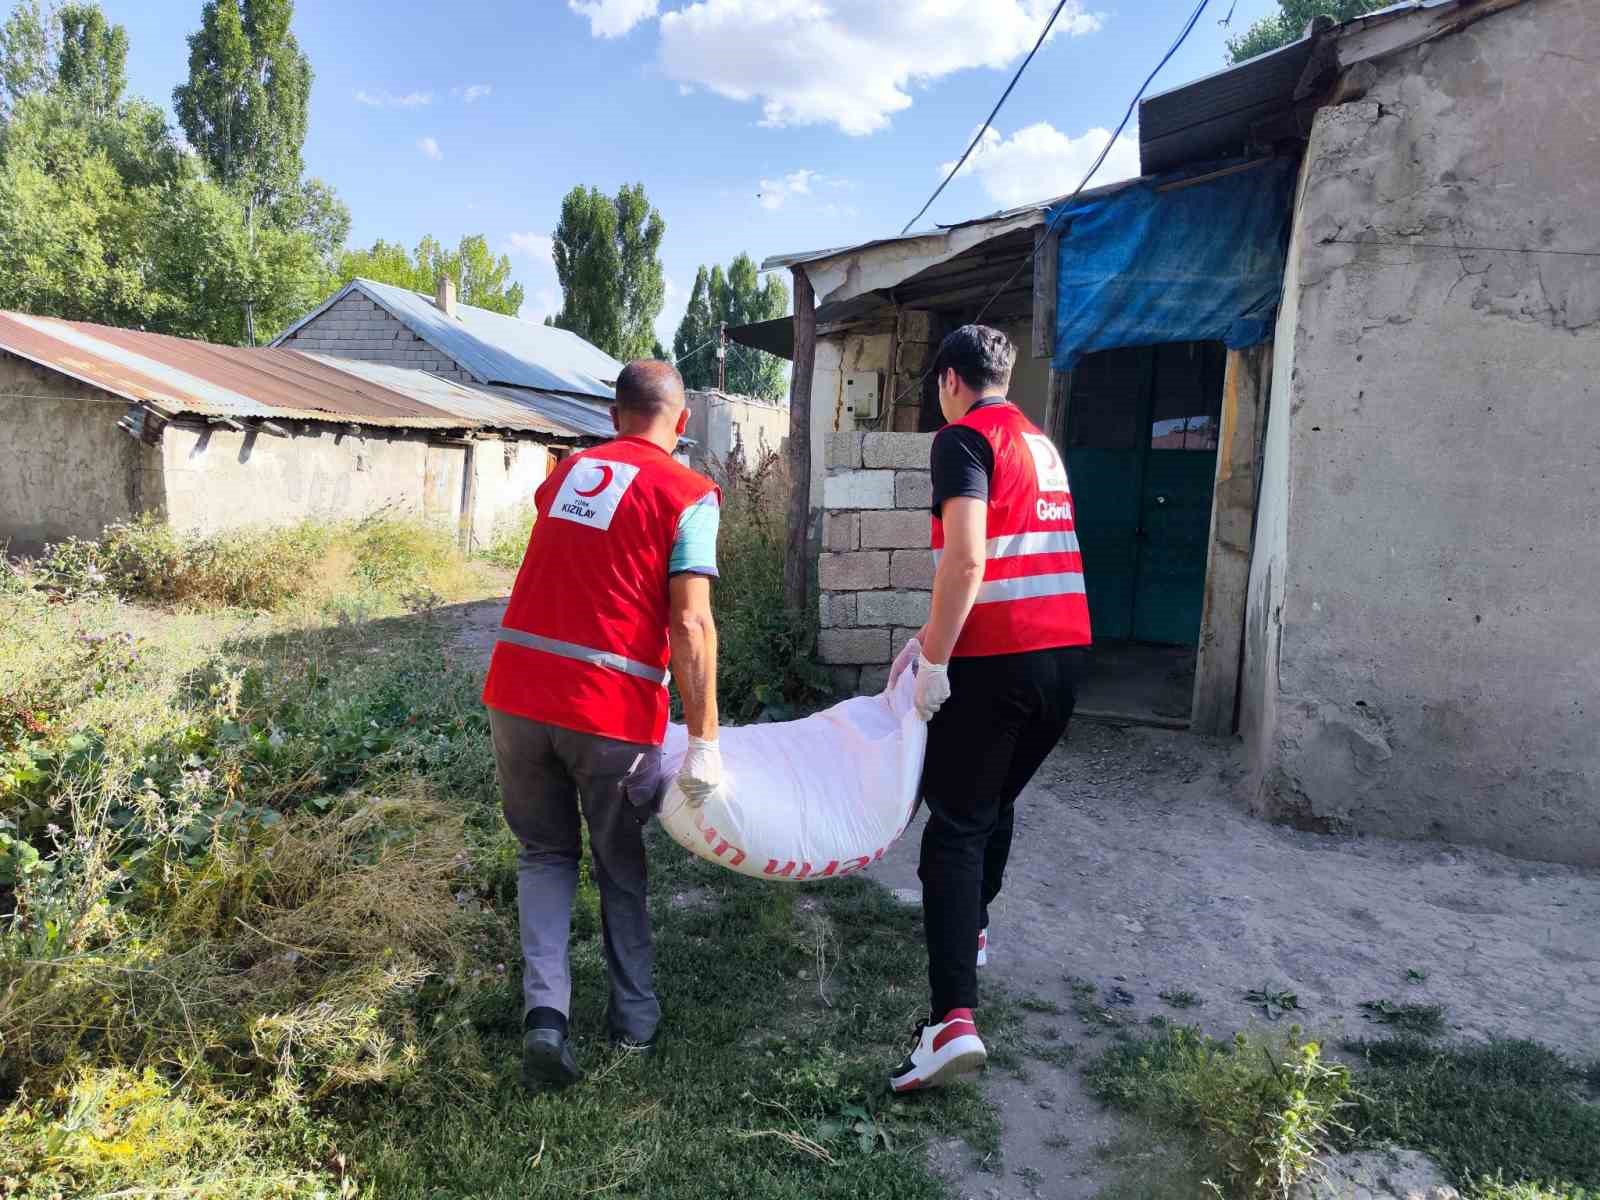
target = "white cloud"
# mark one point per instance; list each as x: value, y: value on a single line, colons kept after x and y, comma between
x: 613, y: 18
x: 852, y: 65
x: 538, y: 246
x: 1038, y: 162
x: 546, y: 302
x: 430, y: 147
x: 472, y: 91
x: 391, y: 100
x: 773, y: 192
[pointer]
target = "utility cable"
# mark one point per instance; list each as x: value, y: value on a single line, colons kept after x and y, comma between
x: 960, y: 162
x: 709, y: 342
x: 1061, y: 205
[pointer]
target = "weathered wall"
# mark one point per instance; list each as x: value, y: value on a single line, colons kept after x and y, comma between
x: 355, y: 327
x: 876, y: 571
x: 1030, y: 377
x: 506, y: 474
x: 66, y: 470
x: 720, y: 420
x: 1432, y: 492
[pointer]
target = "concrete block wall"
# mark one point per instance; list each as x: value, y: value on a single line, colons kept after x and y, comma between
x: 875, y: 572
x: 357, y: 328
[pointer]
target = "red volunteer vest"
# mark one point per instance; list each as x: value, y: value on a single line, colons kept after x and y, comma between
x: 1032, y: 594
x: 584, y: 640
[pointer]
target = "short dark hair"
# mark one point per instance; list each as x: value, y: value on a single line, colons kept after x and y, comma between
x: 979, y: 354
x: 649, y: 387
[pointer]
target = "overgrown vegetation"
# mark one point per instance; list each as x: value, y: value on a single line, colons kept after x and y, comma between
x: 1258, y: 1113
x: 258, y: 926
x: 1501, y: 1110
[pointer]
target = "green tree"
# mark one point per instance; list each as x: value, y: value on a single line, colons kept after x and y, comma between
x: 482, y: 279
x: 243, y: 107
x: 1287, y: 24
x: 735, y: 298
x: 93, y: 64
x: 607, y: 255
x: 29, y: 41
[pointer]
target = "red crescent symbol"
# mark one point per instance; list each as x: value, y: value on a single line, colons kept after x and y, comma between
x: 605, y: 482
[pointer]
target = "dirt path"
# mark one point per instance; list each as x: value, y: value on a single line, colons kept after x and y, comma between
x: 1132, y: 870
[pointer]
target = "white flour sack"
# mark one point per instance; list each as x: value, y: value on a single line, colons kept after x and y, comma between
x: 809, y: 799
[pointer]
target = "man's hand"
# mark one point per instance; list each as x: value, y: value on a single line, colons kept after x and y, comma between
x: 701, y: 773
x: 933, y: 687
x: 908, y: 655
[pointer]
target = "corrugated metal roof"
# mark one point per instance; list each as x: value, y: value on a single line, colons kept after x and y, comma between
x: 592, y: 418
x: 177, y: 376
x: 494, y: 348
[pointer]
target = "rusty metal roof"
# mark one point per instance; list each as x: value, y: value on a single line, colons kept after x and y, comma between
x: 179, y: 376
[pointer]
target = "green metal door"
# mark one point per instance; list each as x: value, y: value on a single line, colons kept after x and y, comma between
x: 1141, y: 452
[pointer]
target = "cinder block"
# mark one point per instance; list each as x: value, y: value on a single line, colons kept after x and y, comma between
x: 844, y: 680
x: 861, y: 571
x: 901, y: 636
x: 911, y: 569
x: 894, y: 529
x: 838, y: 610
x: 841, y: 531
x: 892, y: 608
x: 912, y: 489
x: 859, y: 489
x: 853, y: 646
x: 844, y: 451
x: 873, y: 680
x: 906, y: 450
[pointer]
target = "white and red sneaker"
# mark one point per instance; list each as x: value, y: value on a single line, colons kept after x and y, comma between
x: 945, y: 1051
x: 983, y: 947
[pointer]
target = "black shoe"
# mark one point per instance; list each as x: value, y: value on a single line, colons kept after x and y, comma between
x: 547, y: 1060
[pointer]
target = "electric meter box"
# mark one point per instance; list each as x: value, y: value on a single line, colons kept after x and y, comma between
x: 863, y: 395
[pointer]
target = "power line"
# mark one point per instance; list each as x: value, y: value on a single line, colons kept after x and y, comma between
x: 712, y: 341
x: 1061, y: 205
x: 960, y: 162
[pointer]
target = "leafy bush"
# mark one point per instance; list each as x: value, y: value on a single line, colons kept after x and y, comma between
x: 1262, y: 1112
x: 510, y: 540
x: 764, y: 658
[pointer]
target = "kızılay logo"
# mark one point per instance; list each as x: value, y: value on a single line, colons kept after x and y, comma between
x: 592, y: 491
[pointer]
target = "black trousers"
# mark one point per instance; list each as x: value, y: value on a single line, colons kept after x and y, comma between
x: 1004, y: 715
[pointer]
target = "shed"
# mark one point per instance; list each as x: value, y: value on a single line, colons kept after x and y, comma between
x: 100, y: 424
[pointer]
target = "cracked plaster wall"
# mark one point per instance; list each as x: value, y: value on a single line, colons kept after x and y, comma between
x: 1424, y: 626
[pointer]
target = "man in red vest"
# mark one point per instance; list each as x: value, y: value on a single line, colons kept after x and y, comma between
x: 994, y: 677
x: 615, y: 587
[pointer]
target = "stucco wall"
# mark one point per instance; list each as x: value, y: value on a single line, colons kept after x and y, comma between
x: 66, y: 470
x: 719, y: 420
x: 507, y: 474
x: 357, y: 328
x: 1432, y: 487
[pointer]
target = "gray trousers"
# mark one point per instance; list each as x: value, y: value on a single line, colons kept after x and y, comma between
x: 545, y: 773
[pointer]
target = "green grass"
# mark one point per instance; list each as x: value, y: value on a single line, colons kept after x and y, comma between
x: 1423, y: 1020
x: 1507, y: 1109
x: 263, y: 939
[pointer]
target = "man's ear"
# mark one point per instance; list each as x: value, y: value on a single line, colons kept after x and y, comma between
x: 683, y: 420
x: 615, y: 424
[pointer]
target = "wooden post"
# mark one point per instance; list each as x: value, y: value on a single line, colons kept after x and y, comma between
x: 1046, y: 256
x: 796, y: 567
x: 1221, y: 650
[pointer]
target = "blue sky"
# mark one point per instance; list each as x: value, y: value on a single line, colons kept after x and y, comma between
x: 757, y: 125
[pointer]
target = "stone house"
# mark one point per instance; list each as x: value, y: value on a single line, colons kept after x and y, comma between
x: 1325, y: 379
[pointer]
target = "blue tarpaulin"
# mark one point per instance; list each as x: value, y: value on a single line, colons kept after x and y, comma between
x: 1203, y: 262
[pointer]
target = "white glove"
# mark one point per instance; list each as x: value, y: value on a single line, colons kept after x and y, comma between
x: 701, y: 773
x: 908, y: 655
x: 933, y: 687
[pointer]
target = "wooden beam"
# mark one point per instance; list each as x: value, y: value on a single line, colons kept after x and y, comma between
x: 1046, y: 256
x: 1221, y: 649
x: 797, y: 566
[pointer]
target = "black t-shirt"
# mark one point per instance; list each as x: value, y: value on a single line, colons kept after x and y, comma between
x: 962, y: 461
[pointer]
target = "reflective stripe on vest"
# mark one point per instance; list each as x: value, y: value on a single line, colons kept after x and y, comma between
x: 586, y: 654
x: 1028, y: 587
x: 1020, y: 545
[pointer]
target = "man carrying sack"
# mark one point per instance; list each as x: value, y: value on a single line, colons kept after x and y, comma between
x: 994, y: 677
x: 615, y: 587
